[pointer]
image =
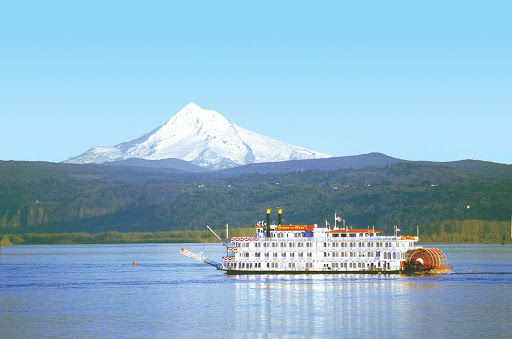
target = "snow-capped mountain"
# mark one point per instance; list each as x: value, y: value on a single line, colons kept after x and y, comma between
x: 203, y: 137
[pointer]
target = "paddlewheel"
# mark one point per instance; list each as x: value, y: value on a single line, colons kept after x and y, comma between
x: 431, y: 260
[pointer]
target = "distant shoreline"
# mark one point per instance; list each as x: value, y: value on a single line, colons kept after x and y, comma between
x: 114, y: 237
x: 188, y: 236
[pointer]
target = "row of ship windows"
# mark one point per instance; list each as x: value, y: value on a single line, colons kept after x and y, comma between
x: 282, y: 235
x: 291, y: 255
x: 265, y: 265
x: 308, y: 265
x: 323, y: 244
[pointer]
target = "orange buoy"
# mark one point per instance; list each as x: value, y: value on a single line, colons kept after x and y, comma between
x: 134, y: 263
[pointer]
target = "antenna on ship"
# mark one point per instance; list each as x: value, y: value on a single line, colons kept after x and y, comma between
x: 215, y: 234
x: 227, y: 232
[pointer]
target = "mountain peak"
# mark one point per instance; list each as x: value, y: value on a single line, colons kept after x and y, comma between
x: 191, y: 106
x: 193, y: 118
x: 203, y: 137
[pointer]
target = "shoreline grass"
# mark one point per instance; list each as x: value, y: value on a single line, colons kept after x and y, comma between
x: 171, y: 237
x: 114, y: 237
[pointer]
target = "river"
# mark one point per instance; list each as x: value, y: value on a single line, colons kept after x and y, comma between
x: 96, y: 291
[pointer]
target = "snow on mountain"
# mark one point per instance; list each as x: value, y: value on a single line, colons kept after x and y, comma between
x: 203, y: 137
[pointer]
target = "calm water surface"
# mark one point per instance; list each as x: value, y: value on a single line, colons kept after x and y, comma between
x: 95, y: 291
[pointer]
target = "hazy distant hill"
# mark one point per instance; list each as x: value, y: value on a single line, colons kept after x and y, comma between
x: 476, y: 168
x: 176, y: 164
x: 370, y: 160
x: 49, y: 197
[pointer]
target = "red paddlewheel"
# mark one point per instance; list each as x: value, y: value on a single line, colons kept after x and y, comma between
x: 426, y: 259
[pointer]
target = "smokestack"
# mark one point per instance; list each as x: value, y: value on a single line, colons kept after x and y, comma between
x: 268, y: 223
x: 279, y: 216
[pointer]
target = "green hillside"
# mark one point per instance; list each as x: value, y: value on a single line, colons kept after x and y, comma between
x: 40, y: 197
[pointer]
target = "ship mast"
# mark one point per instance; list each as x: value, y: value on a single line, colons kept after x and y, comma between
x: 215, y: 234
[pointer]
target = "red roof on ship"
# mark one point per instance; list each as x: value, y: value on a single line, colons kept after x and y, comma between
x: 290, y: 227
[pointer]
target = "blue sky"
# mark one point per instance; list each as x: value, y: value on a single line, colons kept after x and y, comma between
x: 414, y: 80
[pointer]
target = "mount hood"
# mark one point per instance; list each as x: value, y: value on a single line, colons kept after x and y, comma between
x: 202, y: 137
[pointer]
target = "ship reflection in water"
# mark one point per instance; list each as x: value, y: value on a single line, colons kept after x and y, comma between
x: 343, y: 305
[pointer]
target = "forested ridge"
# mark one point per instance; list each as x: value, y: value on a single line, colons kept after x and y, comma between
x: 38, y: 197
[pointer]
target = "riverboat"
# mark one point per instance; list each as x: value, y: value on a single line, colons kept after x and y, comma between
x: 310, y: 249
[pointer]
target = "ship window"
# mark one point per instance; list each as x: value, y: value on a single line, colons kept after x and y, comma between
x: 301, y: 255
x: 266, y: 255
x: 275, y: 255
x: 310, y: 255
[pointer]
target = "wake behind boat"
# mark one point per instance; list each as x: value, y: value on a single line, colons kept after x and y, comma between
x: 300, y: 249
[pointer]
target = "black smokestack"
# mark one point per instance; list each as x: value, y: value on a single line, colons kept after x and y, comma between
x: 268, y: 223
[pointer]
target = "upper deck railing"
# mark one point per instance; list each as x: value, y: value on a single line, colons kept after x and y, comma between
x: 321, y: 238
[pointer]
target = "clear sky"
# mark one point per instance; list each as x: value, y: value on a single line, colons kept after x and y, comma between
x: 416, y: 80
